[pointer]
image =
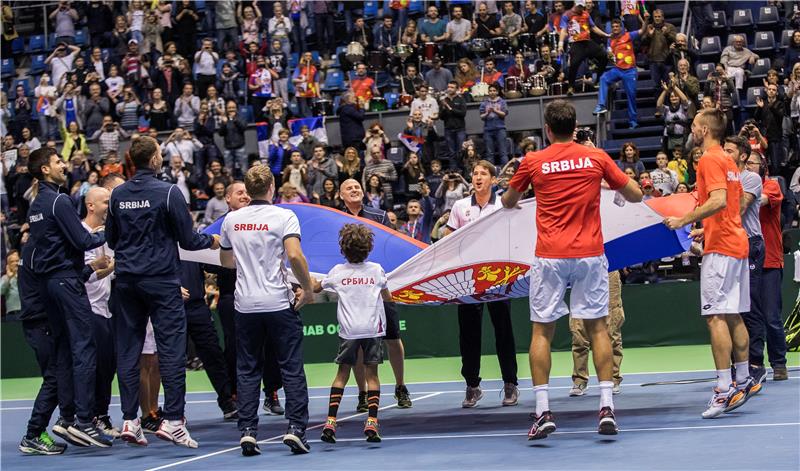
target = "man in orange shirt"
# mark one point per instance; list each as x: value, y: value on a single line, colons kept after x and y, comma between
x: 569, y: 250
x: 724, y: 274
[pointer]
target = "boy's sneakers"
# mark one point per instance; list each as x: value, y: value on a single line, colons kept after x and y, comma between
x: 780, y: 373
x: 362, y: 402
x: 371, y: 430
x: 60, y: 430
x: 600, y: 109
x: 229, y: 410
x: 329, y: 431
x: 151, y: 423
x: 719, y: 401
x: 472, y: 397
x: 103, y: 423
x: 401, y: 394
x: 133, y: 433
x: 249, y: 443
x: 510, y: 394
x: 578, y: 389
x: 272, y: 404
x: 90, y: 434
x: 295, y: 439
x: 608, y: 423
x: 742, y: 394
x: 41, y: 445
x: 543, y: 426
x: 175, y: 431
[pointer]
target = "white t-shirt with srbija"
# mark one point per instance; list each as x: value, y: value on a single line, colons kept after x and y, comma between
x: 360, y: 311
x: 256, y: 234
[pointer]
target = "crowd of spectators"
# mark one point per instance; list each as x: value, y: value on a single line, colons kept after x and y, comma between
x: 195, y: 75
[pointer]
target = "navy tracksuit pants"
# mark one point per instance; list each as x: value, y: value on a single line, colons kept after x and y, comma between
x: 283, y: 331
x: 70, y: 316
x: 200, y: 326
x: 157, y: 298
x: 103, y: 329
x: 55, y: 364
x: 770, y: 327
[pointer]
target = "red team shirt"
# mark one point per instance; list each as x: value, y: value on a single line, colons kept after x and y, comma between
x: 723, y: 231
x: 770, y: 217
x: 566, y: 178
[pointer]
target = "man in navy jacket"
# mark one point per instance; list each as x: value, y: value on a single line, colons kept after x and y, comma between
x: 58, y: 241
x: 147, y: 220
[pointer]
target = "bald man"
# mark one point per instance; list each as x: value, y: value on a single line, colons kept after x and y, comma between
x: 97, y: 277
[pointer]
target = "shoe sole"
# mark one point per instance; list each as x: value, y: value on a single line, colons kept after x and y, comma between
x: 372, y: 436
x: 249, y: 446
x: 543, y: 431
x: 468, y: 406
x: 509, y: 404
x: 86, y: 438
x: 62, y: 434
x: 328, y: 437
x: 607, y: 427
x: 576, y: 394
x: 295, y: 444
x: 738, y: 400
x: 168, y: 438
x: 399, y: 406
x: 712, y: 415
x: 131, y: 440
x: 35, y: 451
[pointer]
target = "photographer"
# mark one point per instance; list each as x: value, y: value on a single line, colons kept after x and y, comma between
x: 108, y: 136
x: 453, y: 111
x: 720, y: 86
x: 206, y: 62
x: 452, y: 189
x: 676, y: 115
x: 751, y: 132
x: 65, y: 18
x: 182, y: 144
x: 376, y: 138
x: 232, y: 128
x: 769, y: 116
x: 60, y: 61
x: 493, y: 112
x: 129, y: 109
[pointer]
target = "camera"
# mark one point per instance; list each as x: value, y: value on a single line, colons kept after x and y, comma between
x: 583, y: 135
x: 647, y: 184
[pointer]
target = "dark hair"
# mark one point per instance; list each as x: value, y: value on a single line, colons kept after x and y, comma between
x: 258, y: 181
x: 38, y: 159
x: 632, y: 146
x: 142, y: 150
x: 742, y: 145
x: 487, y: 165
x: 356, y: 242
x: 561, y: 117
x: 716, y: 121
x: 616, y: 21
x: 496, y: 87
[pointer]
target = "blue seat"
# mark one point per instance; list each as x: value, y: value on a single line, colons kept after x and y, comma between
x: 391, y: 99
x: 752, y: 94
x: 18, y: 46
x: 336, y: 64
x: 7, y: 69
x: 764, y: 41
x: 767, y: 16
x: 337, y: 100
x: 710, y: 46
x: 315, y: 56
x: 51, y: 41
x: 81, y: 37
x: 719, y: 20
x: 37, y: 64
x: 294, y: 59
x: 36, y: 43
x: 334, y: 81
x: 246, y: 113
x: 741, y: 19
x: 786, y: 38
x: 242, y: 87
x: 370, y: 10
x: 759, y: 70
x: 416, y: 6
x: 290, y: 86
x: 703, y: 69
x: 200, y: 5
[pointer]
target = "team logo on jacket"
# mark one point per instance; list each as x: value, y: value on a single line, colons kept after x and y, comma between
x: 250, y: 227
x: 35, y: 218
x: 566, y: 165
x: 134, y: 204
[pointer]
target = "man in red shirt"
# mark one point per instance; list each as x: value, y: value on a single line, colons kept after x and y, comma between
x: 771, y: 327
x: 578, y: 25
x: 569, y: 250
x: 724, y: 274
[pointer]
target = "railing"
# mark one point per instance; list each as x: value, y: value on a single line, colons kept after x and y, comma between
x: 44, y: 7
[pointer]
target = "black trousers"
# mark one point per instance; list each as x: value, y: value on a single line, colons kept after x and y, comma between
x: 282, y: 330
x: 55, y: 364
x: 470, y: 320
x: 70, y: 316
x: 157, y: 298
x: 103, y: 330
x: 582, y: 50
x: 200, y: 327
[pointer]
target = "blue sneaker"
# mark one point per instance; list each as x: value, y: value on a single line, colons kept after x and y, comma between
x: 634, y: 125
x: 295, y: 439
x: 600, y: 109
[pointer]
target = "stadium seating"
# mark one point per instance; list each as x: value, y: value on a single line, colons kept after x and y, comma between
x: 767, y: 17
x: 37, y: 64
x: 710, y: 46
x: 720, y: 22
x: 7, y: 69
x: 36, y: 43
x: 741, y: 19
x: 759, y: 70
x: 752, y: 94
x: 703, y: 69
x: 334, y: 82
x: 764, y: 41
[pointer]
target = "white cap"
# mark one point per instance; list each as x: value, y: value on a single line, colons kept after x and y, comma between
x: 580, y: 3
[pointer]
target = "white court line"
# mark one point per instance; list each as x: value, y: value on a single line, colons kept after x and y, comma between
x: 459, y: 391
x: 276, y: 437
x: 462, y: 381
x: 569, y: 432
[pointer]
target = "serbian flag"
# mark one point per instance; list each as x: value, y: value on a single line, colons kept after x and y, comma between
x: 316, y: 125
x: 262, y: 133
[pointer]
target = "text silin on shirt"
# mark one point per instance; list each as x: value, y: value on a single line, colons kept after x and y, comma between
x: 566, y: 165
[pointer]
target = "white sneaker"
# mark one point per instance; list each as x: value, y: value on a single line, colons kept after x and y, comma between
x: 578, y: 389
x: 616, y: 389
x: 719, y: 401
x: 103, y: 423
x: 132, y: 433
x: 175, y: 431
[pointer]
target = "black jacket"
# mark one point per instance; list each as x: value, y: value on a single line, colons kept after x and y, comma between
x: 351, y: 125
x: 33, y: 308
x: 194, y: 280
x: 232, y: 132
x: 58, y: 240
x: 453, y: 119
x: 147, y: 219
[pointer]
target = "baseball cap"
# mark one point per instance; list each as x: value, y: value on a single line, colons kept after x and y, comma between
x: 133, y: 41
x: 580, y: 3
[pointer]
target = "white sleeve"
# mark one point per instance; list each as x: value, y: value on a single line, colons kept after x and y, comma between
x: 328, y: 282
x: 224, y: 241
x: 382, y: 280
x: 292, y: 226
x: 454, y: 222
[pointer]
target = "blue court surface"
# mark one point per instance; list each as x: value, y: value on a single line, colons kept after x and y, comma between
x: 660, y: 427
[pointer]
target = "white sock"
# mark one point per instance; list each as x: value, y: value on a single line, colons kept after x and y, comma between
x: 724, y: 379
x: 542, y: 398
x: 742, y: 371
x: 605, y: 394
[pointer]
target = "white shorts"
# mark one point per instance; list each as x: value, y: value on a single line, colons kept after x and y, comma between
x: 724, y: 285
x: 549, y: 280
x: 149, y: 347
